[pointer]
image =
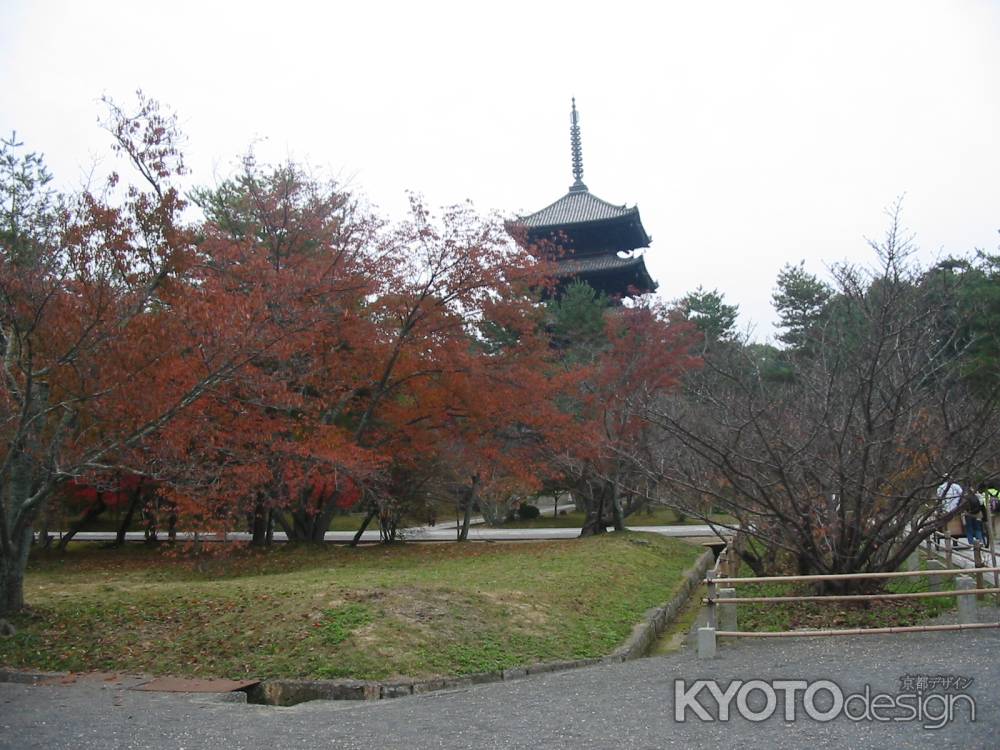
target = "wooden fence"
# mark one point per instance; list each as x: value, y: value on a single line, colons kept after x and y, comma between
x: 722, y: 601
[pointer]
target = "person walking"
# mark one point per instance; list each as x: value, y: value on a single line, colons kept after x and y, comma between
x: 949, y: 493
x: 990, y: 497
x: 975, y: 512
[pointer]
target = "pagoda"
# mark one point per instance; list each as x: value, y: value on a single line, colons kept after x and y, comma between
x: 588, y: 238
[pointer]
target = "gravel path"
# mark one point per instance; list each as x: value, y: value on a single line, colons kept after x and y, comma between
x: 612, y: 706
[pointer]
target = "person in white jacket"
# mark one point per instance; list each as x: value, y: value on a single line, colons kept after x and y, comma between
x: 950, y: 494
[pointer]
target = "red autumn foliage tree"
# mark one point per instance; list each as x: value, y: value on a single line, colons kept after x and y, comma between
x: 274, y: 444
x: 414, y: 338
x: 628, y: 357
x: 461, y: 376
x: 288, y: 357
x: 492, y: 416
x: 112, y: 325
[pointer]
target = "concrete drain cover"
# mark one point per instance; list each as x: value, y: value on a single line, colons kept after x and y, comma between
x: 178, y: 685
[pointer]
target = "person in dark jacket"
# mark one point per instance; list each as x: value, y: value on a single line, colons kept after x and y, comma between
x: 974, y: 518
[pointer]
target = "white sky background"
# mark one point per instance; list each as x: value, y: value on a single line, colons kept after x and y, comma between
x: 750, y: 134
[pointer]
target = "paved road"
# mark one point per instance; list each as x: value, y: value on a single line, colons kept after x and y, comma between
x: 434, y: 534
x: 610, y: 706
x: 963, y: 557
x: 441, y: 532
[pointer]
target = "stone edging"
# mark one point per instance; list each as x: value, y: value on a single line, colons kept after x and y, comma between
x: 280, y: 692
x: 656, y: 619
x: 27, y: 677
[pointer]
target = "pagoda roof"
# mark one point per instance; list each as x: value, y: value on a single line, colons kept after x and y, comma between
x: 579, y: 221
x: 575, y: 266
x: 608, y: 273
x: 576, y: 207
x: 583, y: 234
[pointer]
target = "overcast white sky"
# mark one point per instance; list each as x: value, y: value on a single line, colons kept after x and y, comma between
x: 750, y: 134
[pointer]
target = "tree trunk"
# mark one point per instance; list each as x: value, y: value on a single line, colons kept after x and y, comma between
x: 470, y: 500
x: 258, y: 523
x: 364, y: 525
x: 306, y: 527
x: 616, y: 509
x: 311, y: 521
x: 282, y: 520
x: 89, y: 515
x: 595, y: 523
x: 754, y: 561
x: 11, y: 590
x: 149, y: 514
x: 321, y: 523
x: 388, y: 523
x: 127, y: 521
x: 12, y: 574
x: 44, y: 537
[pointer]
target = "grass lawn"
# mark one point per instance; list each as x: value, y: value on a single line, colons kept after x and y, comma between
x: 375, y: 612
x: 572, y: 519
x: 676, y: 633
x: 347, y: 522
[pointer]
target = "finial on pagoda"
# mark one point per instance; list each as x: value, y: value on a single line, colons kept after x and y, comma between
x: 574, y: 142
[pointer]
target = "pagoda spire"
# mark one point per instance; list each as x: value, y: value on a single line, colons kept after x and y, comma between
x: 574, y: 142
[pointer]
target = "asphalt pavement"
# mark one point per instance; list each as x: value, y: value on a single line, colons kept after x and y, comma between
x: 444, y: 531
x: 429, y: 534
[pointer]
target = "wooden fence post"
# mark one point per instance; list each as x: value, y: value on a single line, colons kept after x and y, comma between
x: 977, y: 553
x: 713, y: 621
x: 727, y: 612
x: 934, y: 582
x: 966, y: 604
x: 706, y: 643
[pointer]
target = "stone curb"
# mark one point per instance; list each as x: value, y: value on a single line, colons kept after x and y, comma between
x: 279, y: 692
x: 27, y: 677
x: 655, y: 620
